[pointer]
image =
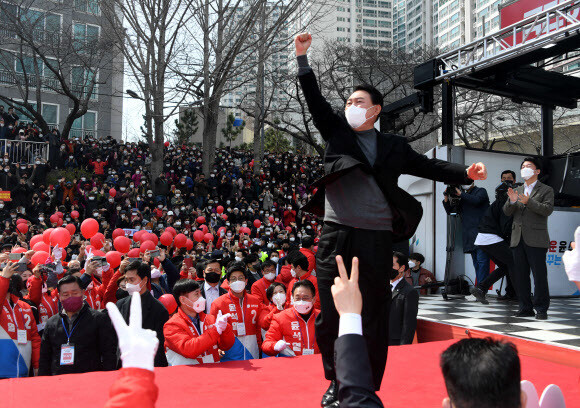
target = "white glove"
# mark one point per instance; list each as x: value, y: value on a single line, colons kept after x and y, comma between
x: 280, y: 345
x: 572, y: 259
x: 221, y: 322
x: 138, y: 346
x: 56, y: 253
x: 88, y: 255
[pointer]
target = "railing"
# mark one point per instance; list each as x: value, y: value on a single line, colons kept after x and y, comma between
x: 23, y: 151
x: 12, y: 78
x: 82, y: 133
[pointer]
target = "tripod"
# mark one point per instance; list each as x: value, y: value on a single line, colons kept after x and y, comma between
x: 452, y: 220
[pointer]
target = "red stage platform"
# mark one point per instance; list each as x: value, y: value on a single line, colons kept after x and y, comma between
x: 412, y: 379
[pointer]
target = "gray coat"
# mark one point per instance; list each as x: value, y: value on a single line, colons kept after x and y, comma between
x: 531, y: 221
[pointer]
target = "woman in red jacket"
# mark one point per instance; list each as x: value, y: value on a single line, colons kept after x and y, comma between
x: 292, y: 331
x: 276, y: 295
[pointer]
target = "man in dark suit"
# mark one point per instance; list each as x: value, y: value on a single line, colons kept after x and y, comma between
x: 404, y: 306
x: 364, y: 209
x: 138, y: 277
x: 530, y: 205
x: 211, y: 287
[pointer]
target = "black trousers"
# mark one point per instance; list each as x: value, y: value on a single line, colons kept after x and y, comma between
x: 526, y: 257
x: 501, y: 254
x: 373, y: 249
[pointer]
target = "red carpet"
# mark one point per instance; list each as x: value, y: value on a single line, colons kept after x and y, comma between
x: 412, y: 379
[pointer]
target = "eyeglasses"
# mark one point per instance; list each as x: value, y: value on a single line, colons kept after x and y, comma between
x: 233, y: 279
x: 305, y: 298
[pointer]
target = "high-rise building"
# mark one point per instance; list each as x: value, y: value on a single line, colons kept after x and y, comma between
x: 65, y: 29
x: 412, y: 24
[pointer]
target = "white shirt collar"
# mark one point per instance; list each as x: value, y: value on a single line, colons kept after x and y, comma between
x: 531, y: 186
x: 208, y: 287
x: 395, y: 283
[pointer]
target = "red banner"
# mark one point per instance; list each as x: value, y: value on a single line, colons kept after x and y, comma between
x: 5, y: 196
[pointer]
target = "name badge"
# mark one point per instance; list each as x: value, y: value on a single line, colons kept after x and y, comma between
x: 207, y: 358
x: 241, y: 329
x: 67, y: 354
x: 307, y: 352
x: 22, y: 339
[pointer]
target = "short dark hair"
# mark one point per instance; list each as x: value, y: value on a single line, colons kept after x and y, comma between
x: 183, y: 287
x: 402, y: 259
x: 306, y: 283
x: 534, y: 160
x: 208, y: 262
x: 70, y: 279
x: 307, y: 241
x: 418, y: 257
x: 299, y: 259
x: 267, y: 263
x: 376, y: 96
x: 508, y: 172
x: 143, y: 269
x: 236, y: 267
x: 271, y: 288
x: 251, y: 258
x: 482, y: 373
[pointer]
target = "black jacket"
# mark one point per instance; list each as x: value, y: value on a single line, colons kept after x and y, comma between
x: 403, y: 314
x: 221, y: 290
x: 154, y: 317
x: 353, y: 372
x: 94, y: 340
x: 394, y: 157
x: 495, y: 221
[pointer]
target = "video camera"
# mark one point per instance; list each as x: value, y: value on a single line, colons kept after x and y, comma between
x: 451, y: 193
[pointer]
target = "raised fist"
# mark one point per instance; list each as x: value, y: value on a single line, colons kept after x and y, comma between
x: 302, y: 43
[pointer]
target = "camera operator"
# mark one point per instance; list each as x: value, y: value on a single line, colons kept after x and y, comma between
x: 471, y: 204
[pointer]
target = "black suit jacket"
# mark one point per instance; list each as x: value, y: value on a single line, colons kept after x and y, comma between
x: 154, y: 318
x: 394, y: 157
x: 353, y: 372
x: 221, y: 290
x: 403, y: 314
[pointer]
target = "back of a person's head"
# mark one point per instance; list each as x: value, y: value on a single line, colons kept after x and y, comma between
x: 482, y: 373
x: 307, y: 241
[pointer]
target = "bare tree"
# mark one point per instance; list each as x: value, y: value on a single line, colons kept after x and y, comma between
x: 46, y: 51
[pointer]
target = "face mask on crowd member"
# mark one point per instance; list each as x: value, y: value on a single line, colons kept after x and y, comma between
x: 212, y: 273
x: 303, y: 294
x: 529, y: 170
x: 400, y: 264
x: 192, y: 303
x: 363, y: 107
x: 137, y: 275
x: 71, y: 294
x: 237, y: 280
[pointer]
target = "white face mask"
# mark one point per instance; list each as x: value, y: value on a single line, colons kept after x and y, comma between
x: 132, y: 288
x: 270, y: 276
x: 356, y: 116
x: 238, y: 286
x: 238, y: 259
x: 293, y: 272
x: 412, y: 264
x: 527, y: 173
x: 279, y: 298
x: 302, y: 306
x: 274, y: 259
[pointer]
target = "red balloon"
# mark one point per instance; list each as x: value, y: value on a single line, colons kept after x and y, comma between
x: 166, y: 144
x: 89, y: 228
x: 60, y: 214
x: 147, y: 245
x: 20, y: 221
x: 172, y: 231
x: 198, y: 235
x: 208, y: 237
x: 169, y: 302
x: 22, y: 227
x: 289, y: 229
x: 200, y: 220
x: 54, y: 218
x: 271, y: 219
x: 166, y: 238
x: 35, y: 239
x: 122, y: 244
x: 118, y: 232
x: 151, y: 237
x: 257, y: 223
x: 220, y: 209
x: 18, y: 250
x: 59, y: 222
x: 96, y: 252
x: 41, y: 246
x: 75, y: 214
x: 222, y: 229
x: 46, y: 236
x: 246, y: 230
x: 90, y: 248
x: 39, y: 257
x: 112, y: 192
x: 114, y: 259
x: 156, y: 262
x: 180, y: 241
x: 138, y: 235
x: 71, y: 228
x: 189, y: 244
x: 97, y: 240
x: 63, y: 253
x: 224, y: 217
x: 60, y: 237
x: 134, y: 253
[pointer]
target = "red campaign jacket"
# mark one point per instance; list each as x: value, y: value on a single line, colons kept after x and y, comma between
x: 47, y: 303
x: 311, y: 258
x: 312, y: 279
x: 259, y: 290
x: 285, y: 276
x: 184, y: 345
x: 253, y: 315
x: 135, y: 387
x: 99, y: 166
x: 289, y: 326
x: 267, y: 320
x: 11, y: 320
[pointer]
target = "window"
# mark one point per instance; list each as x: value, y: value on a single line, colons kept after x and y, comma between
x: 81, y: 81
x: 370, y: 33
x: 50, y: 113
x: 454, y: 18
x: 454, y: 33
x: 369, y: 23
x: 85, y: 35
x: 45, y: 26
x: 84, y: 126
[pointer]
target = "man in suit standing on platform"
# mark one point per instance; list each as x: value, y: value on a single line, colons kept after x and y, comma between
x: 404, y: 304
x: 530, y: 205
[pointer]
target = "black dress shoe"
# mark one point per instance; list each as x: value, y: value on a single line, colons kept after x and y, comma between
x: 331, y: 395
x: 542, y: 316
x: 479, y: 295
x: 523, y: 313
x: 506, y: 297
